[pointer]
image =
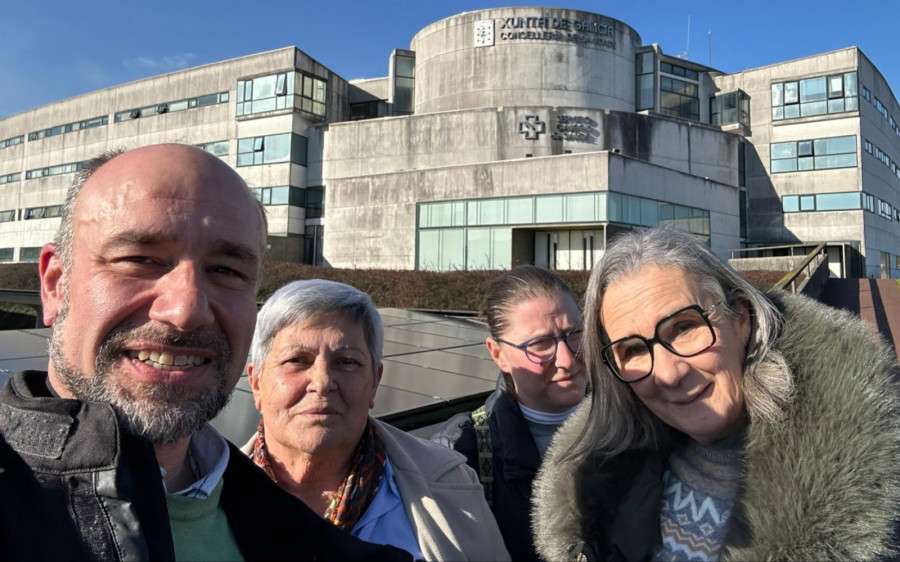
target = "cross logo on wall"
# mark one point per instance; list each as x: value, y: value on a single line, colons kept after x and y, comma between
x: 532, y: 127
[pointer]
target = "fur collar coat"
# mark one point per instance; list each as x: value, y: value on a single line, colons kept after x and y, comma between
x: 821, y: 483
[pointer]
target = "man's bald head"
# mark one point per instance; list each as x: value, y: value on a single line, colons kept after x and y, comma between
x: 64, y: 234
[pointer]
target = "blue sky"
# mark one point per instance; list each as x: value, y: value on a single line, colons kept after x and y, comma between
x: 52, y: 50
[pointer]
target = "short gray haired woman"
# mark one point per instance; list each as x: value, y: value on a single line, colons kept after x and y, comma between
x: 723, y: 423
x: 315, y: 365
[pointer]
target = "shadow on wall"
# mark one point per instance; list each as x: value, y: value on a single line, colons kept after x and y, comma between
x: 878, y: 306
x: 763, y: 204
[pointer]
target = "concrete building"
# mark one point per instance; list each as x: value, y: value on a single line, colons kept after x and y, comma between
x: 503, y: 136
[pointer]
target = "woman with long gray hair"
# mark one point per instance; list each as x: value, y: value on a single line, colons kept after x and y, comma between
x: 724, y: 423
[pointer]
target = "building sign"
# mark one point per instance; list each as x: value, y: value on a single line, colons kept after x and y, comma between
x: 571, y: 128
x: 532, y: 127
x: 484, y: 33
x: 575, y: 128
x: 582, y: 32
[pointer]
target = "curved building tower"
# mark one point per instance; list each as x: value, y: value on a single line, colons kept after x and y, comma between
x: 525, y: 135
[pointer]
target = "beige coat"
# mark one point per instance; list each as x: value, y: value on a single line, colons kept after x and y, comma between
x: 443, y: 499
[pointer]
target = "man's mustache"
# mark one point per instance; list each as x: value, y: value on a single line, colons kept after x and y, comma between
x: 119, y: 339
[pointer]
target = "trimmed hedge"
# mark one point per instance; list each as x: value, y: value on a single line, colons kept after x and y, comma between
x: 446, y: 290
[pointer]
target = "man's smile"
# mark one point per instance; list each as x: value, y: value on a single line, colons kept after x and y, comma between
x: 165, y: 361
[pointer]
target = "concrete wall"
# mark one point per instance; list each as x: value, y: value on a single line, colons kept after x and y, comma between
x: 368, y: 90
x: 371, y: 220
x: 536, y: 56
x: 879, y: 180
x: 360, y: 148
x: 627, y: 175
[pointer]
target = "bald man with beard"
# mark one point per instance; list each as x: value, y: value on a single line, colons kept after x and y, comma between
x: 150, y: 289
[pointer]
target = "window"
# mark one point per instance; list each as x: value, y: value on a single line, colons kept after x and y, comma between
x: 882, y: 157
x: 50, y: 212
x: 281, y: 195
x: 730, y: 108
x: 171, y: 106
x: 368, y: 110
x: 477, y: 233
x: 272, y: 149
x: 814, y: 96
x: 266, y: 93
x: 30, y: 254
x: 868, y: 146
x: 286, y: 90
x: 885, y: 209
x: 837, y: 201
x: 54, y: 170
x: 404, y: 83
x: 867, y: 94
x: 644, y: 69
x: 868, y: 202
x: 678, y: 97
x: 816, y: 154
x: 677, y: 70
x: 6, y: 143
x: 6, y: 254
x: 315, y: 202
x: 313, y: 242
x: 217, y: 148
x: 846, y: 201
x: 881, y: 109
x: 8, y: 215
x: 68, y: 128
x: 15, y: 176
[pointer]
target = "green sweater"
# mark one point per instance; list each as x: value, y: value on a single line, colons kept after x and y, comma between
x: 200, y: 529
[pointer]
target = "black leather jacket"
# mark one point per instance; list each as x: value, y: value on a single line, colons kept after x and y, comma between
x: 76, y: 484
x: 516, y: 461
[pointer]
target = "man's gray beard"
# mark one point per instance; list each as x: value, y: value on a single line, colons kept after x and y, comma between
x: 161, y: 413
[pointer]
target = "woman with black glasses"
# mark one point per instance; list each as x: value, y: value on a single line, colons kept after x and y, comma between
x: 723, y: 423
x: 535, y: 340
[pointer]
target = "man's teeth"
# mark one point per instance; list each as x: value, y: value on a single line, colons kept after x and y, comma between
x: 166, y: 361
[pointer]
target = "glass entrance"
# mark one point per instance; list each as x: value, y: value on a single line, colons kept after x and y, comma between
x: 568, y: 249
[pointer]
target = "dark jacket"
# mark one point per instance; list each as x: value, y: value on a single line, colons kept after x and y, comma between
x: 516, y: 461
x: 821, y: 483
x: 76, y: 484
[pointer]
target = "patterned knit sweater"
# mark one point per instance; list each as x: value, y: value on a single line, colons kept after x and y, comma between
x: 701, y: 482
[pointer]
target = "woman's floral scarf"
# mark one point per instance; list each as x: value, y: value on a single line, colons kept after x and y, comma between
x: 359, y: 486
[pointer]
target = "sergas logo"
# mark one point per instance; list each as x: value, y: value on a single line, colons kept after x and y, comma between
x: 532, y: 127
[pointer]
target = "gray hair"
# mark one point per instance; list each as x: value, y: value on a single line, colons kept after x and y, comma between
x: 618, y: 419
x: 65, y: 232
x: 298, y: 301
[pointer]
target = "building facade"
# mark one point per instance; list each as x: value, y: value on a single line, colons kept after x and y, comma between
x: 500, y: 137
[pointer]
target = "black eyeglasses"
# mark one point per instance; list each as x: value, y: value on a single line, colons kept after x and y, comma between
x: 542, y: 349
x: 686, y: 333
